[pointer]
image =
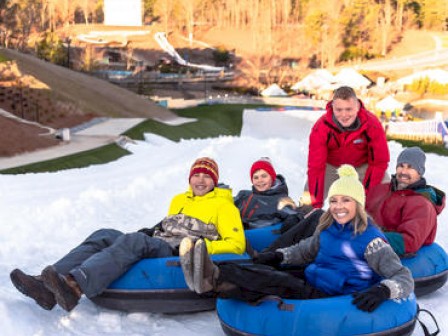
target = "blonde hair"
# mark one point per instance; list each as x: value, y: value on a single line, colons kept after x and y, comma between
x: 359, y: 222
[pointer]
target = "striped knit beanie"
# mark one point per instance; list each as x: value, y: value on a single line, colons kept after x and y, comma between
x: 205, y: 165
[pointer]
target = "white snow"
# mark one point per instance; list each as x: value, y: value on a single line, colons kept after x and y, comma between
x: 44, y: 215
x: 161, y: 39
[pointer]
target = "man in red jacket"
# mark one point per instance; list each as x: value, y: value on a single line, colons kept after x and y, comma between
x: 406, y: 208
x: 346, y: 134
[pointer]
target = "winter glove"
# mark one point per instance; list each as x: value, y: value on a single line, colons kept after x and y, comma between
x: 150, y: 231
x: 286, y: 202
x: 371, y: 299
x: 305, y: 210
x: 147, y: 231
x: 305, y: 199
x: 269, y: 258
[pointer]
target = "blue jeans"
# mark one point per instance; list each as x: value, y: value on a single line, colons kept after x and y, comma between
x: 106, y: 254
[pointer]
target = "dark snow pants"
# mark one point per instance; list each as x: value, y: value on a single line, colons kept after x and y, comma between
x: 302, y: 230
x: 253, y: 282
x: 106, y: 254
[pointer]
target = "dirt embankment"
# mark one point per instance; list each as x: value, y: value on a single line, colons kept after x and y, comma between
x: 17, y: 137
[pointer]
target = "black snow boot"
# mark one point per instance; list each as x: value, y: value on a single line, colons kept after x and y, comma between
x: 33, y: 287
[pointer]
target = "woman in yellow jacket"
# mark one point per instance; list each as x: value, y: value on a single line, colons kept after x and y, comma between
x: 204, y: 211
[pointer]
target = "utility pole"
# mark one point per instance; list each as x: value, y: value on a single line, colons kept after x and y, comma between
x: 68, y: 40
x: 205, y: 86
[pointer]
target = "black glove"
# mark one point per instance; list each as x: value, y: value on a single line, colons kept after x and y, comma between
x: 371, y: 299
x: 269, y: 258
x: 150, y: 231
x: 147, y: 231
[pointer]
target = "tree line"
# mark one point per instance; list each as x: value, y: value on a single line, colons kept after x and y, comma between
x: 336, y: 30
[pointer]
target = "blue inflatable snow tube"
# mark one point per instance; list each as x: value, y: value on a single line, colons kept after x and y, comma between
x: 429, y: 268
x: 261, y: 238
x: 158, y: 286
x: 335, y: 316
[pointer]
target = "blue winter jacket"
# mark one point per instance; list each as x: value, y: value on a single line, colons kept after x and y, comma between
x: 340, y: 267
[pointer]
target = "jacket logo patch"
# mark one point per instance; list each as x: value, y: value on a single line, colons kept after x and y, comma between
x: 358, y: 141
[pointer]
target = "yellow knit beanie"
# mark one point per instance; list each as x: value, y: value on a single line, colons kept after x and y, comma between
x: 348, y: 184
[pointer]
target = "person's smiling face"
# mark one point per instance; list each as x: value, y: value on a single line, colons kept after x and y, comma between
x: 342, y: 208
x: 201, y: 184
x: 261, y: 180
x: 406, y: 175
x: 345, y: 111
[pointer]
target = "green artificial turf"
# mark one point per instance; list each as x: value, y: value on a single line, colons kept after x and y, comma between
x: 99, y: 155
x: 438, y: 149
x: 3, y: 58
x: 211, y: 121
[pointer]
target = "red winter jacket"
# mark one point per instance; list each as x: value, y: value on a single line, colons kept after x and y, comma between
x: 329, y: 144
x: 407, y: 212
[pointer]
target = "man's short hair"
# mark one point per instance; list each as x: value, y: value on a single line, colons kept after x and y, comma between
x: 344, y: 93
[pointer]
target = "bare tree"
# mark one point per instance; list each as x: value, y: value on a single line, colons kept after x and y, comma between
x: 67, y: 11
x: 164, y: 9
x: 385, y: 21
x: 189, y: 7
x: 88, y: 7
x: 399, y: 14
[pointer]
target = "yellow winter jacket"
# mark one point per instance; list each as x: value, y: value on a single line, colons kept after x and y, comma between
x: 217, y: 208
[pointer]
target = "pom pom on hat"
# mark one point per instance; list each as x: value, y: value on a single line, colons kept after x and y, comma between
x: 347, y: 171
x: 207, y: 166
x: 348, y: 184
x: 265, y: 164
x: 414, y: 157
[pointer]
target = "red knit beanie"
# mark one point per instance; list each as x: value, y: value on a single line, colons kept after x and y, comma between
x: 265, y: 164
x: 207, y: 166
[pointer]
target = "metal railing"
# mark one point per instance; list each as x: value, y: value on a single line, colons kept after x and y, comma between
x: 434, y: 130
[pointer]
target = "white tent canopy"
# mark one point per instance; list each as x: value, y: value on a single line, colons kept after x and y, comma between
x: 436, y: 75
x: 273, y: 91
x: 352, y: 78
x: 389, y: 104
x: 314, y: 80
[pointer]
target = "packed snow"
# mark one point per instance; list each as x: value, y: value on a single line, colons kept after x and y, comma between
x: 44, y: 215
